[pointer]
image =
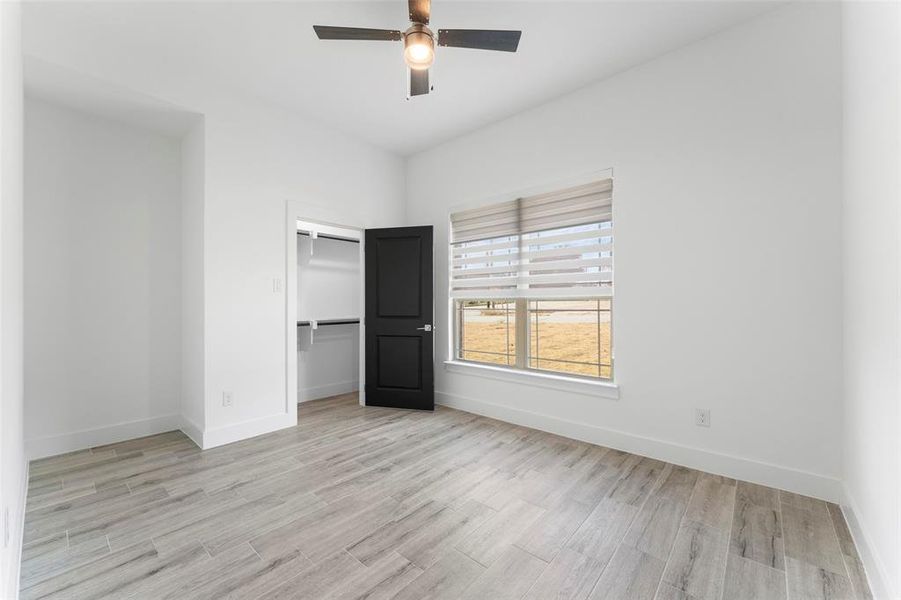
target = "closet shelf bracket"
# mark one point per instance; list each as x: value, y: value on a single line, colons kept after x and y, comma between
x: 315, y: 324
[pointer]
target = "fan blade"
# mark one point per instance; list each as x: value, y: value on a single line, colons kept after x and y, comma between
x: 420, y: 11
x: 480, y: 39
x: 419, y: 82
x: 356, y: 33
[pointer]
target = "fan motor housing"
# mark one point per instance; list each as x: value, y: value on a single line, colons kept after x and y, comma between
x: 419, y: 46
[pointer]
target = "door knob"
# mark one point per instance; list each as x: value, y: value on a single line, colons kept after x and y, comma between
x: 424, y: 328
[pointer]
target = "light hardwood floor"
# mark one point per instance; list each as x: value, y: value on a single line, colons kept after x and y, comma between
x: 378, y: 503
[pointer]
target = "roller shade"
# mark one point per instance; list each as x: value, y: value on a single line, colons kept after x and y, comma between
x: 558, y: 244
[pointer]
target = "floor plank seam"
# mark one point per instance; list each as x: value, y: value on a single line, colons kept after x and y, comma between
x: 729, y: 544
x: 673, y: 545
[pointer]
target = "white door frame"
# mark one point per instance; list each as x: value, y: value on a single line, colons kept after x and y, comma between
x: 297, y: 211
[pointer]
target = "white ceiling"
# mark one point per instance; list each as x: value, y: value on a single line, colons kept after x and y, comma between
x: 47, y: 81
x: 268, y: 50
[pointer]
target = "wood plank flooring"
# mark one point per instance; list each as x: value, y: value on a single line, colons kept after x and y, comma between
x: 377, y: 503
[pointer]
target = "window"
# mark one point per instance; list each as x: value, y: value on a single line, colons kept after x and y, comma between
x: 532, y: 282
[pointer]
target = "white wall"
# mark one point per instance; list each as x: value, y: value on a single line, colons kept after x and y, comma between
x: 102, y: 280
x: 192, y: 282
x: 258, y: 159
x: 328, y: 287
x: 872, y: 282
x: 328, y: 279
x: 727, y: 170
x: 12, y: 451
x: 330, y: 365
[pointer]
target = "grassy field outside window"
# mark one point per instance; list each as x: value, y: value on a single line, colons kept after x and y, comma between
x: 563, y: 336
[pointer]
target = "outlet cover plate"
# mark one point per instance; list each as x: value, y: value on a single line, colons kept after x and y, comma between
x: 702, y: 417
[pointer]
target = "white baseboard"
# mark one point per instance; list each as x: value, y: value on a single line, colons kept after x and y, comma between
x: 800, y: 482
x: 325, y: 391
x: 110, y: 434
x: 877, y: 574
x: 11, y: 585
x: 89, y: 438
x: 247, y: 429
x: 192, y: 430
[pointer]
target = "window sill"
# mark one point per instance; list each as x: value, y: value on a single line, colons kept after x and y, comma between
x: 602, y: 389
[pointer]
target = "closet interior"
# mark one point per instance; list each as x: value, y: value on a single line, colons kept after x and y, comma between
x: 329, y: 295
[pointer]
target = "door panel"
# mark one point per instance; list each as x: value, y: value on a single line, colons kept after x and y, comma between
x: 399, y: 312
x: 399, y: 293
x: 395, y: 352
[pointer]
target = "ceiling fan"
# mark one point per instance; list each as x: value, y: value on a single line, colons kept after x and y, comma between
x: 419, y: 42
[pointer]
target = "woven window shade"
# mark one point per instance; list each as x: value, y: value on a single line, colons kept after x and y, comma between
x: 558, y: 244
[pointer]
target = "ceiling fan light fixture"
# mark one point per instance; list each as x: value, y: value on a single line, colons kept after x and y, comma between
x: 420, y: 42
x: 419, y: 47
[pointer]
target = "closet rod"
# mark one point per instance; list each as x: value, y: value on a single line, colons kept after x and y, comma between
x: 331, y: 322
x: 331, y: 237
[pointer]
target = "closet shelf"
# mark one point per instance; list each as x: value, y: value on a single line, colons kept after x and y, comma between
x: 330, y: 322
x: 330, y: 237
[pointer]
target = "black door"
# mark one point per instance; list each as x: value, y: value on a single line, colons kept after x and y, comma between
x: 399, y: 347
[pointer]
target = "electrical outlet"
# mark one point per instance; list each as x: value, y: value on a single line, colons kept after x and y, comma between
x: 702, y: 417
x: 277, y: 285
x: 228, y: 399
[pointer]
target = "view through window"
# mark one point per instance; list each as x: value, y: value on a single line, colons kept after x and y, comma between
x: 572, y: 336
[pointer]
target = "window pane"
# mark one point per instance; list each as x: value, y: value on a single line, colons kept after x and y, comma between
x: 570, y: 336
x: 487, y: 331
